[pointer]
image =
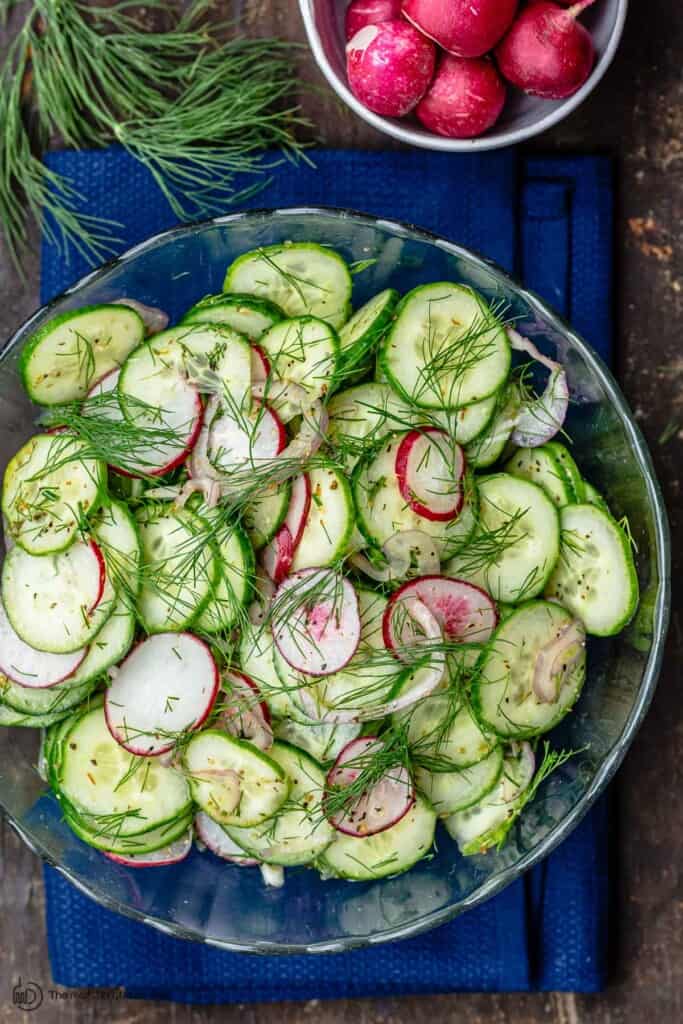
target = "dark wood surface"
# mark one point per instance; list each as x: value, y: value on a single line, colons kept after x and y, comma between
x: 636, y: 115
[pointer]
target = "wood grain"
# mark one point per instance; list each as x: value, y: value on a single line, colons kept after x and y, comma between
x: 636, y: 115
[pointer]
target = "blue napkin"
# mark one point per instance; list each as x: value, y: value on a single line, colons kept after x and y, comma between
x: 550, y: 221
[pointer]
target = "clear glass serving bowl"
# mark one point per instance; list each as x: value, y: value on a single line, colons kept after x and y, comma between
x: 205, y: 899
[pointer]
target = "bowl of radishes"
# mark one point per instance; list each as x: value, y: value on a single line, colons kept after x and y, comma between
x: 460, y: 75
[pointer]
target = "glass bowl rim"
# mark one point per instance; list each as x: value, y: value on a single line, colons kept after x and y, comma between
x: 662, y: 608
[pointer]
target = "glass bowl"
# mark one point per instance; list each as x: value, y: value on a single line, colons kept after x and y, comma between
x: 205, y: 899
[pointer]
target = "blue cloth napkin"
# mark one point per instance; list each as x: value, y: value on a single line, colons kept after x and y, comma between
x: 551, y: 222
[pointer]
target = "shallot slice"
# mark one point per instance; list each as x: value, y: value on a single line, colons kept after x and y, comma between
x: 538, y: 421
x: 399, y: 550
x: 245, y: 715
x: 154, y: 319
x: 552, y: 667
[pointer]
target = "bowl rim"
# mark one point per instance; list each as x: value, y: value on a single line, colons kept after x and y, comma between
x: 425, y: 140
x: 662, y: 606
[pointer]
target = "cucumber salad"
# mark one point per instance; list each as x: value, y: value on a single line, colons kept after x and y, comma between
x: 294, y: 582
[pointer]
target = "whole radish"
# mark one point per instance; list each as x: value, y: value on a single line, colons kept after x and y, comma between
x: 465, y: 28
x: 465, y: 99
x: 360, y: 13
x: 547, y: 52
x: 389, y: 67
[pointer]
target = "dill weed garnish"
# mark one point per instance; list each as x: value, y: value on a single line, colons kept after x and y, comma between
x: 196, y: 104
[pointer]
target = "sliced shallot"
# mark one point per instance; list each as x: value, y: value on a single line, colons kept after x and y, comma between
x: 555, y: 661
x: 244, y: 714
x: 399, y: 550
x: 465, y: 612
x: 539, y: 420
x: 216, y: 839
x: 379, y: 807
x: 154, y: 319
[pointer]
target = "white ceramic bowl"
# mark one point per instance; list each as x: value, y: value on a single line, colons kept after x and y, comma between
x: 523, y: 117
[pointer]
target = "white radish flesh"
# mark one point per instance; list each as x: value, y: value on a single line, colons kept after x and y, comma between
x: 216, y: 839
x: 171, y: 854
x: 31, y: 668
x: 429, y: 468
x: 237, y: 441
x: 379, y: 807
x: 316, y: 621
x: 299, y: 505
x: 465, y: 613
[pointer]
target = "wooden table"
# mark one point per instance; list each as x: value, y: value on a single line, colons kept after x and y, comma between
x: 637, y: 116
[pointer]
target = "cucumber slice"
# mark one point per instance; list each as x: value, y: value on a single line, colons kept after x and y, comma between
x: 443, y: 731
x: 222, y: 350
x: 64, y: 358
x: 322, y: 741
x: 305, y: 351
x: 109, y: 647
x: 180, y: 567
x: 329, y: 523
x: 363, y: 332
x: 62, y: 698
x: 117, y: 534
x: 465, y: 424
x: 566, y: 462
x: 517, y: 542
x: 290, y: 682
x: 593, y: 497
x: 10, y: 718
x: 265, y: 513
x: 235, y: 572
x: 486, y: 824
x: 363, y: 415
x: 244, y: 313
x: 386, y: 853
x: 382, y: 510
x: 111, y: 790
x: 541, y: 467
x: 503, y: 694
x: 595, y: 577
x: 257, y: 660
x: 486, y: 449
x: 454, y: 791
x: 299, y: 277
x: 129, y: 846
x: 446, y: 349
x: 298, y: 833
x: 49, y: 486
x: 256, y: 780
x: 57, y: 603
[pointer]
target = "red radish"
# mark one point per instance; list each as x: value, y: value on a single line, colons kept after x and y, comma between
x: 278, y: 555
x: 171, y: 854
x: 299, y: 507
x: 236, y: 441
x: 360, y: 13
x: 547, y: 52
x: 465, y: 613
x: 429, y: 469
x: 260, y: 365
x: 389, y: 67
x: 244, y: 714
x: 166, y: 686
x: 316, y: 621
x: 465, y: 99
x: 465, y: 28
x: 28, y: 667
x: 219, y: 842
x: 102, y: 574
x: 380, y: 806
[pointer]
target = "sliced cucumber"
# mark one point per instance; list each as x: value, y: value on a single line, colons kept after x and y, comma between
x: 256, y: 658
x: 322, y: 741
x: 266, y: 512
x: 595, y: 577
x: 541, y: 467
x: 330, y: 520
x: 180, y: 568
x: 504, y: 693
x: 232, y: 589
x: 443, y: 731
x: 288, y: 699
x: 571, y: 470
x: 110, y: 646
x: 467, y: 423
x: 298, y: 833
x: 363, y: 415
x: 446, y: 349
x: 11, y: 718
x: 128, y: 846
x: 593, y: 497
x: 486, y: 824
x: 221, y: 351
x: 49, y: 486
x: 489, y: 446
x: 517, y: 542
x: 305, y: 351
x: 57, y: 603
x: 70, y: 353
x: 112, y: 790
x: 360, y: 335
x: 258, y: 782
x: 299, y: 277
x: 63, y: 697
x: 386, y: 853
x: 117, y: 534
x: 454, y: 791
x: 244, y: 313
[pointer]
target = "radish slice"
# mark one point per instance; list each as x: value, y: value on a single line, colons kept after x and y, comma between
x: 429, y: 469
x: 260, y: 366
x: 165, y: 687
x: 219, y: 842
x: 278, y: 555
x: 299, y: 506
x: 316, y: 621
x: 236, y: 440
x: 465, y: 613
x: 34, y: 669
x: 171, y: 854
x: 105, y: 386
x: 554, y: 663
x: 153, y: 318
x: 101, y: 574
x: 379, y: 807
x: 245, y: 715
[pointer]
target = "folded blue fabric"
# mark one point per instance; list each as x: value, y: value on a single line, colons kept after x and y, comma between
x: 550, y: 221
